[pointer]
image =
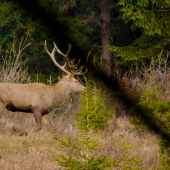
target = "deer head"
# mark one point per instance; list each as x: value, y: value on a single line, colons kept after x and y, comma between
x: 73, y: 84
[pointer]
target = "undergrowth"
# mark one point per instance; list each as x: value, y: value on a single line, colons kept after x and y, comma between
x: 84, y: 147
x: 152, y: 105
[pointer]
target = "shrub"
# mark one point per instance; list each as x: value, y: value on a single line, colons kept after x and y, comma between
x: 12, y: 68
x: 98, y: 115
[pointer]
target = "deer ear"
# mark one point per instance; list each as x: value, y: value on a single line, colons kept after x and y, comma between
x: 59, y: 78
x: 71, y: 76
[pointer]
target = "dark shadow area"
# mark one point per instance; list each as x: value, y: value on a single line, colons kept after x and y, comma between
x: 114, y: 87
x: 56, y: 30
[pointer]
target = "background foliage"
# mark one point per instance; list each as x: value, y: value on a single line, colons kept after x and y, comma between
x: 151, y: 18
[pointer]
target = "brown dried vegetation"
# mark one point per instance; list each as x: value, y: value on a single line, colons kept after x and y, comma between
x: 36, y: 150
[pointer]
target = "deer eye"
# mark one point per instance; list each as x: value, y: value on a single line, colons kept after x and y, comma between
x: 75, y: 81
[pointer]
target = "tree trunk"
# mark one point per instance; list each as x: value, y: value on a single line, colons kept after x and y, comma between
x: 105, y: 30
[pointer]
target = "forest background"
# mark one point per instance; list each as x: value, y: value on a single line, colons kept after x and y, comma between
x: 75, y: 22
x: 134, y: 30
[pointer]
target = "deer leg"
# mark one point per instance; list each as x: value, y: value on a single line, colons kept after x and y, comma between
x: 47, y: 122
x: 37, y: 116
x: 2, y: 109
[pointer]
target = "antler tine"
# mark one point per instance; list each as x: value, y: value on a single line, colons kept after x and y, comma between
x: 57, y: 49
x: 69, y: 49
x: 66, y: 55
x: 53, y: 59
x: 72, y: 66
x: 79, y: 70
x: 78, y: 73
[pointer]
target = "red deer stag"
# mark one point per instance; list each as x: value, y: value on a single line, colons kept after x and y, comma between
x: 39, y: 98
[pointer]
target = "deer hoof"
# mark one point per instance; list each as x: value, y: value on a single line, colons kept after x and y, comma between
x: 23, y: 133
x: 37, y: 129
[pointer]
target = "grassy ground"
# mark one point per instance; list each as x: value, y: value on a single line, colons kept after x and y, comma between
x: 36, y: 150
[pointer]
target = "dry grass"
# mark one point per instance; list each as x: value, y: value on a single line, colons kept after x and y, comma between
x: 36, y: 150
x: 143, y: 144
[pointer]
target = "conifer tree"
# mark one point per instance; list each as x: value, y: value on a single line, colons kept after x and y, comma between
x: 97, y: 112
x: 152, y: 18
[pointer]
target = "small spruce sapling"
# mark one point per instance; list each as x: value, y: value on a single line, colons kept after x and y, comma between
x: 98, y: 115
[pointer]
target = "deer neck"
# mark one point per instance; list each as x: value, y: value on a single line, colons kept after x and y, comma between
x: 61, y: 91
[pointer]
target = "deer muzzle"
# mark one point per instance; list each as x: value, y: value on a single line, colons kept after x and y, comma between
x: 84, y: 90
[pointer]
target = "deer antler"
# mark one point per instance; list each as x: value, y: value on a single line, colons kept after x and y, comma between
x: 66, y: 56
x: 70, y: 67
x: 78, y: 72
x: 54, y: 61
